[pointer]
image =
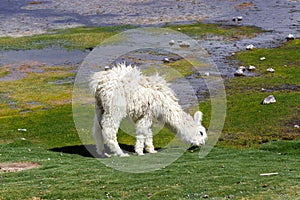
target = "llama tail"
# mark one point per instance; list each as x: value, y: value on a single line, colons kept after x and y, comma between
x: 94, y: 81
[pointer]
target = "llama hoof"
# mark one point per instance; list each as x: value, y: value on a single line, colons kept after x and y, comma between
x: 124, y: 155
x: 102, y: 154
x: 151, y: 151
x: 154, y: 151
x: 140, y: 153
x: 106, y: 155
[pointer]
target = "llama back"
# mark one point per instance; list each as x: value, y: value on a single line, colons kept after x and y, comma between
x: 117, y: 77
x: 125, y: 86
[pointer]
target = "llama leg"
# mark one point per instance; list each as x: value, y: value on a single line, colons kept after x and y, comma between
x: 97, y: 133
x: 149, y: 143
x: 144, y: 136
x: 110, y: 130
x: 139, y: 145
x: 140, y: 137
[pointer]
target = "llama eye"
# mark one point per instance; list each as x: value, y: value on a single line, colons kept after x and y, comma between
x: 201, y: 133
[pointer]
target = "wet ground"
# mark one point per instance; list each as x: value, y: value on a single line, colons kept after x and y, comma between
x: 19, y: 18
x: 28, y: 17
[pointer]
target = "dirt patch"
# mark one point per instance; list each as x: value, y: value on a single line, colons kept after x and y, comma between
x: 245, y: 5
x: 17, y: 166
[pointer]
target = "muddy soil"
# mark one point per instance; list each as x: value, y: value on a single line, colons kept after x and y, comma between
x: 17, y: 166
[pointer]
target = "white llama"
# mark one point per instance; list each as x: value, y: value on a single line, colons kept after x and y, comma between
x: 123, y: 91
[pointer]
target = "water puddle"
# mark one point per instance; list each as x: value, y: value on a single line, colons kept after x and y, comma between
x: 23, y: 62
x: 47, y: 56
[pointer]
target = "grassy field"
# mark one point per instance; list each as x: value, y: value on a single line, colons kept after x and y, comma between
x: 256, y: 138
x: 224, y: 174
x: 73, y: 38
x: 250, y: 123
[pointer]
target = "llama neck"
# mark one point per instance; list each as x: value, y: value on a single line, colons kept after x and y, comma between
x: 181, y: 122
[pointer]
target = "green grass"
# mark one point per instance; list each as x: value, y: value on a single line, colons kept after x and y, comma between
x: 48, y: 128
x: 173, y: 70
x: 213, y: 31
x: 74, y: 38
x: 85, y: 37
x: 256, y: 138
x: 224, y: 173
x: 248, y: 123
x: 36, y: 91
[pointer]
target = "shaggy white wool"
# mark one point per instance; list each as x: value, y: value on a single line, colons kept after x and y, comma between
x: 124, y: 91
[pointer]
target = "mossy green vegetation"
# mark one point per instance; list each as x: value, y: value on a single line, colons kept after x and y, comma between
x: 173, y: 70
x: 213, y: 31
x: 73, y: 38
x: 35, y: 90
x: 86, y: 37
x: 248, y: 122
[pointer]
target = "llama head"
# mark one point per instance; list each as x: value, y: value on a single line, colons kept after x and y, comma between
x: 200, y: 136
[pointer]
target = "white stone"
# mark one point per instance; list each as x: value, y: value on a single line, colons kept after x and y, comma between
x: 184, y: 44
x: 290, y: 37
x: 250, y: 47
x: 271, y: 70
x: 251, y: 67
x: 269, y: 99
x: 166, y: 60
x: 239, y: 72
x: 171, y: 42
x: 262, y: 58
x: 242, y: 68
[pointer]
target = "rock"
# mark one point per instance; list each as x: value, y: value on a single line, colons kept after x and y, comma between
x: 184, y: 44
x: 268, y: 100
x: 206, y: 74
x: 239, y: 72
x: 237, y: 19
x: 171, y: 42
x: 262, y: 58
x: 296, y: 126
x: 242, y: 68
x: 166, y: 60
x: 251, y: 68
x: 178, y: 29
x: 271, y: 70
x: 290, y: 37
x: 250, y: 47
x: 107, y: 68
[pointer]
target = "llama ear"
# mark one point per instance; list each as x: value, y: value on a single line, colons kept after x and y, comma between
x: 198, y: 117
